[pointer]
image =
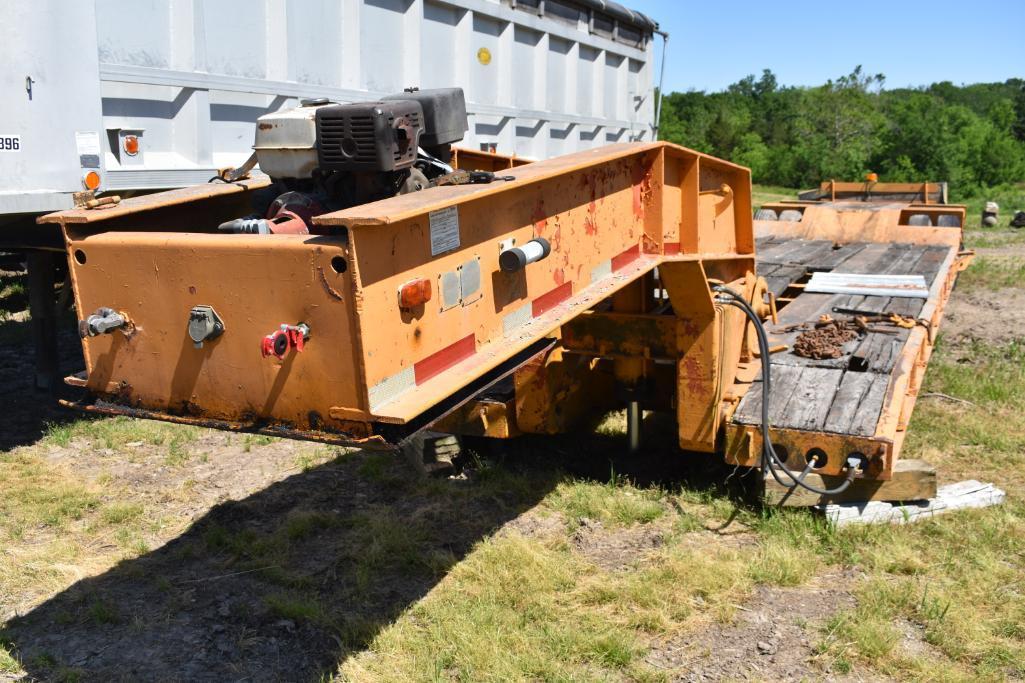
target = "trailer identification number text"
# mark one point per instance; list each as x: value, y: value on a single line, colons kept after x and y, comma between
x: 10, y: 143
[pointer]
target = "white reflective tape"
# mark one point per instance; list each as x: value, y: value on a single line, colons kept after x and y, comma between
x: 520, y: 316
x: 603, y: 269
x: 390, y: 387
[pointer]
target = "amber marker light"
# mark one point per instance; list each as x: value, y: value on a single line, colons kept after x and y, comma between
x: 131, y: 145
x: 415, y: 293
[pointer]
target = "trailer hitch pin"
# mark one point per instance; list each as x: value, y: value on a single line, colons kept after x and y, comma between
x: 287, y: 337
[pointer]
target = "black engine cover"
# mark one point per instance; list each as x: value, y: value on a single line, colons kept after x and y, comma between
x: 369, y: 136
x: 444, y: 114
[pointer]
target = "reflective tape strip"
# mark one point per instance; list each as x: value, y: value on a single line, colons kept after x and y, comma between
x: 442, y: 360
x: 390, y: 387
x: 603, y: 269
x: 627, y: 257
x: 551, y: 299
x: 520, y: 316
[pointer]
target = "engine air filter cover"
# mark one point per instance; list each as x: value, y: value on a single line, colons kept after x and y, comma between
x: 370, y: 136
x: 444, y: 114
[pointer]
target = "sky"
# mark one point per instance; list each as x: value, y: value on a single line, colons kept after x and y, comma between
x: 912, y: 42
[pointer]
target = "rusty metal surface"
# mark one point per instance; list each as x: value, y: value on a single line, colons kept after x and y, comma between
x: 475, y: 160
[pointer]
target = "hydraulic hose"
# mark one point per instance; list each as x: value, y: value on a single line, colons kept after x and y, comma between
x: 769, y: 459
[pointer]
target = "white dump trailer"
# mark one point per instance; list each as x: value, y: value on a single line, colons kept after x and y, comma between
x: 151, y: 94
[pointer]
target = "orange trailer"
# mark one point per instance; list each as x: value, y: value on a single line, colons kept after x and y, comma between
x: 621, y: 276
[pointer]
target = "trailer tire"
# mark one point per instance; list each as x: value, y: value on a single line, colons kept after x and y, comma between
x: 791, y: 215
x: 920, y: 220
x: 948, y: 221
x: 766, y: 215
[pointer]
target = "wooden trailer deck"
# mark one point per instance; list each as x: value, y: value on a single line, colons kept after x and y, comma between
x: 841, y: 395
x: 867, y: 393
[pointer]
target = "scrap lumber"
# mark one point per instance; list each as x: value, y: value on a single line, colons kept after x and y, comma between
x: 959, y: 496
x: 913, y: 480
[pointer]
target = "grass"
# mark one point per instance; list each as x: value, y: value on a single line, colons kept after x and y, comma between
x: 993, y: 273
x: 117, y: 433
x: 1010, y: 198
x: 765, y: 194
x: 617, y: 503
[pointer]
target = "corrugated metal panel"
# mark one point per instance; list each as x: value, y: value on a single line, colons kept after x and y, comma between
x: 536, y: 86
x: 190, y: 77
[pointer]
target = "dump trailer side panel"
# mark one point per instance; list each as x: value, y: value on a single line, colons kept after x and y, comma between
x: 51, y: 128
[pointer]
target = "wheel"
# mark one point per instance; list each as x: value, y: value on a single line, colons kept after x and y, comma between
x: 920, y: 220
x: 766, y: 215
x: 948, y: 221
x: 791, y: 215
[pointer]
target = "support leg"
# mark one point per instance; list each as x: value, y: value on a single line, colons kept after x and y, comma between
x: 43, y: 309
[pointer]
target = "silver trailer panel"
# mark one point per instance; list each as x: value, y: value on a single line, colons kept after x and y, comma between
x: 188, y: 78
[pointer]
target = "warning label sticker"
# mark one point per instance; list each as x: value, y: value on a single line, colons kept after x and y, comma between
x: 444, y: 230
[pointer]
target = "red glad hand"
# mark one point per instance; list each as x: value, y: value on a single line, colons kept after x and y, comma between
x: 296, y: 338
x: 279, y: 342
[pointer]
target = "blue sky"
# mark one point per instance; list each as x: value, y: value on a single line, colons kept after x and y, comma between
x: 916, y: 42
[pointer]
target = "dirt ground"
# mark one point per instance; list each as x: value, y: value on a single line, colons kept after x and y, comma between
x: 771, y: 639
x: 252, y: 528
x: 983, y: 315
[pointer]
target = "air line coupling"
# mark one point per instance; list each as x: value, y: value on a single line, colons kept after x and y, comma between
x: 104, y: 321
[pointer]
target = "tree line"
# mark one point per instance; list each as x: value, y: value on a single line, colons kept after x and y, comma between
x: 972, y: 136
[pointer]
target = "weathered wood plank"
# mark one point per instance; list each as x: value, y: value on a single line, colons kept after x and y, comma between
x: 866, y: 417
x: 812, y: 251
x: 959, y: 496
x: 878, y: 352
x: 784, y: 381
x: 928, y: 267
x: 809, y: 403
x: 834, y: 257
x: 793, y: 251
x: 912, y: 480
x: 777, y: 285
x: 849, y: 395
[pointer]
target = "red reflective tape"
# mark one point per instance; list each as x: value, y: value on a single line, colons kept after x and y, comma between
x: 626, y: 257
x: 442, y: 360
x: 671, y: 248
x: 550, y: 300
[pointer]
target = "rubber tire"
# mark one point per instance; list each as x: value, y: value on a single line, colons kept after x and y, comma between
x: 766, y: 215
x: 948, y: 221
x: 792, y: 215
x: 920, y: 220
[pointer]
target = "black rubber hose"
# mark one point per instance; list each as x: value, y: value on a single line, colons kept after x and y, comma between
x: 769, y: 458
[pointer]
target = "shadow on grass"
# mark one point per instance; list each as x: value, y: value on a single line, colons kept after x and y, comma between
x: 285, y: 584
